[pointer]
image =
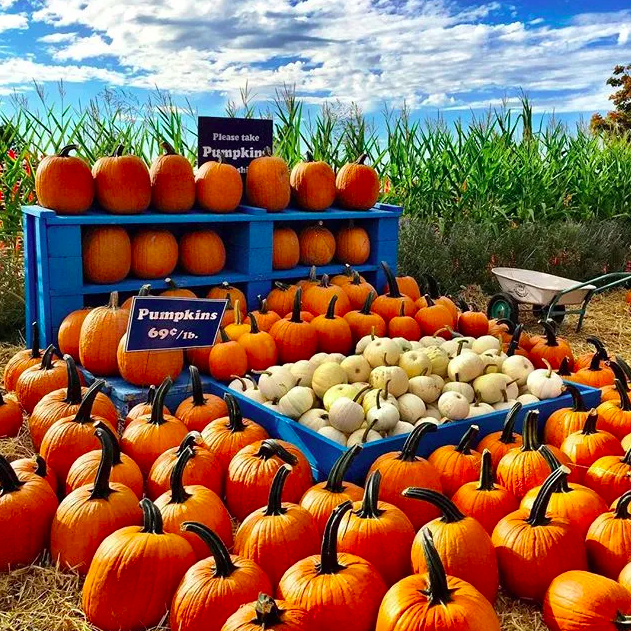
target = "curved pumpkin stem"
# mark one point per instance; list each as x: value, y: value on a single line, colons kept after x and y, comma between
x: 410, y: 446
x: 589, y: 426
x: 622, y: 507
x: 507, y: 437
x: 179, y: 494
x: 362, y: 158
x: 564, y: 369
x: 223, y: 336
x: 171, y: 284
x: 335, y: 479
x: 41, y: 468
x: 73, y: 389
x: 597, y: 358
x: 295, y: 312
x: 330, y: 311
x: 487, y: 481
x: 578, y: 405
x: 370, y: 502
x: 157, y: 406
x: 235, y: 417
x: 370, y: 298
x: 102, y: 489
x: 274, y: 506
x: 35, y: 352
x: 393, y: 285
x: 263, y: 310
x: 619, y: 373
x: 438, y: 592
x: 196, y: 384
x: 464, y: 446
x: 118, y: 152
x: 329, y: 563
x: 268, y: 615
x: 529, y: 431
x: 271, y: 447
x: 625, y: 404
x: 168, y: 148
x: 324, y: 281
x: 356, y: 278
x: 622, y: 622
x: 539, y: 509
x: 550, y: 333
x: 554, y: 464
x: 451, y: 513
x: 152, y: 518
x: 47, y: 358
x: 254, y: 325
x: 190, y: 441
x: 144, y: 290
x: 514, y: 340
x: 432, y: 286
x: 151, y: 395
x: 116, y: 450
x: 9, y: 480
x: 65, y: 151
x: 224, y: 566
x: 598, y: 345
x: 84, y: 413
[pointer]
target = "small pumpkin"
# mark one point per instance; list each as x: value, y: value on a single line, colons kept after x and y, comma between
x: 260, y: 347
x: 106, y: 254
x: 218, y: 186
x: 615, y: 417
x: 202, y: 253
x: 610, y: 476
x: 565, y: 421
x: 500, y: 443
x: 236, y: 329
x: 122, y: 183
x: 550, y: 348
x: 365, y: 322
x: 175, y: 291
x: 267, y: 182
x: 11, y: 418
x: 154, y: 253
x: 610, y: 393
x: 281, y: 298
x: 265, y: 317
x: 334, y: 332
x: 357, y: 185
x: 352, y: 245
x: 69, y: 334
x: 435, y: 319
x: 404, y: 326
x: 312, y: 184
x: 357, y: 290
x: 36, y: 465
x: 200, y: 409
x: 234, y: 294
x: 317, y: 245
x: 39, y: 380
x: 172, y: 182
x: 146, y: 368
x: 267, y: 613
x: 22, y: 360
x: 473, y: 323
x: 388, y: 305
x: 285, y: 248
x: 227, y: 358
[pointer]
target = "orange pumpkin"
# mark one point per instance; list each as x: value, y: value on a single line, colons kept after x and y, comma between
x: 202, y: 252
x: 265, y: 317
x: 259, y: 346
x: 404, y: 326
x: 388, y: 305
x: 10, y: 417
x: 312, y: 184
x: 318, y: 298
x: 357, y: 185
x: 219, y: 186
x: 285, y: 249
x: 227, y: 358
x: 123, y: 184
x: 595, y: 374
x: 200, y: 409
x: 226, y: 290
x: 317, y: 245
x: 64, y: 183
x: 267, y: 182
x: 176, y: 291
x: 434, y: 319
x: 281, y: 299
x: 22, y: 360
x: 172, y: 182
x: 154, y: 253
x: 146, y: 368
x: 357, y: 290
x: 473, y: 323
x: 106, y: 254
x: 38, y: 380
x: 352, y: 245
x: 334, y: 332
x: 236, y: 329
x: 551, y: 348
x: 366, y: 322
x: 69, y: 333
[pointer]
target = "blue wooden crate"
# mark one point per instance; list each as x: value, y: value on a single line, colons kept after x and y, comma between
x: 53, y: 266
x: 319, y: 450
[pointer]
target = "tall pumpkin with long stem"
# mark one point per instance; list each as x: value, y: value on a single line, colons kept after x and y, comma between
x: 327, y: 584
x: 214, y: 587
x: 500, y: 443
x: 279, y: 534
x: 200, y: 409
x: 533, y: 548
x: 364, y: 321
x: 388, y: 305
x: 141, y: 409
x: 39, y: 380
x: 565, y: 421
x: 140, y: 566
x: 321, y: 499
x: 550, y: 348
x: 92, y: 512
x: 615, y: 417
x: 435, y: 601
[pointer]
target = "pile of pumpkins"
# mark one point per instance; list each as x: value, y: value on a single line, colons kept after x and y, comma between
x: 122, y: 184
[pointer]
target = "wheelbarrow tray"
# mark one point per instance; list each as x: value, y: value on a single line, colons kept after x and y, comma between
x: 539, y: 288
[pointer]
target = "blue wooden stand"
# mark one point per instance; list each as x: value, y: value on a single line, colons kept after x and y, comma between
x: 54, y: 272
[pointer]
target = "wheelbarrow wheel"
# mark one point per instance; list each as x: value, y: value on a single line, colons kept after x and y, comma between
x: 540, y: 311
x: 503, y: 305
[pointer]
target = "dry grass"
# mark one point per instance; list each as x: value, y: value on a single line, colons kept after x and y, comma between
x: 42, y: 598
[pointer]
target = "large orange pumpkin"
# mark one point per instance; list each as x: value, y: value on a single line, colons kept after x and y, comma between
x: 219, y: 186
x: 267, y: 182
x: 64, y: 183
x: 154, y: 253
x: 22, y: 360
x: 357, y: 185
x: 106, y: 254
x: 70, y: 332
x: 317, y: 245
x: 202, y: 253
x: 148, y: 368
x: 285, y: 249
x: 123, y: 184
x: 352, y: 245
x: 281, y: 299
x: 234, y: 294
x: 172, y: 182
x: 312, y: 184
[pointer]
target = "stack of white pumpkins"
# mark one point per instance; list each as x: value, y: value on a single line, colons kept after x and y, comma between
x: 391, y: 385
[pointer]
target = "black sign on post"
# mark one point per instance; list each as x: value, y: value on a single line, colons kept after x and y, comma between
x: 237, y: 140
x: 160, y: 323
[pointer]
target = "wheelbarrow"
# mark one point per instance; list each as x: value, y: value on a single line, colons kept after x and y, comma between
x: 551, y: 297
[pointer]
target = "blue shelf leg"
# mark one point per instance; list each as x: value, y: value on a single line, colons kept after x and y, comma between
x: 383, y: 235
x: 30, y: 274
x: 254, y: 288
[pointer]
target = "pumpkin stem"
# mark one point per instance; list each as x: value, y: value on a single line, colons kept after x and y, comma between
x: 9, y: 481
x: 437, y: 592
x: 598, y: 345
x: 393, y: 285
x: 188, y: 442
x: 262, y: 304
x: 597, y: 357
x: 313, y: 278
x: 550, y: 333
x: 65, y: 151
x: 622, y: 622
x: 152, y: 517
x: 35, y: 353
x: 41, y: 468
x: 168, y: 148
x: 330, y: 311
x: 268, y: 615
x: 507, y: 436
x: 254, y: 325
x: 578, y: 405
x: 514, y: 340
x: 368, y: 428
x: 362, y: 158
x: 238, y: 318
x: 295, y: 313
x: 618, y: 373
x: 428, y: 299
x: 356, y: 278
x: 324, y: 281
x: 625, y: 404
x: 151, y: 395
x: 118, y: 152
x: 361, y: 393
x: 171, y: 283
x: 410, y: 446
x: 431, y: 285
x: 196, y: 384
x: 274, y: 506
x: 235, y: 422
x: 624, y: 366
x: 529, y: 431
x: 73, y: 389
x: 47, y: 358
x: 112, y: 303
x: 627, y: 457
x: 365, y: 310
x: 116, y: 450
x: 509, y: 324
x: 464, y: 446
x: 335, y: 479
x: 157, y: 406
x: 370, y: 502
x: 451, y: 513
x: 101, y: 489
x: 329, y: 563
x: 84, y: 413
x: 622, y: 507
x: 179, y: 494
x: 271, y: 447
x: 401, y: 309
x: 539, y: 509
x: 487, y: 481
x: 144, y: 290
x: 223, y: 336
x: 589, y: 427
x: 224, y: 566
x: 564, y: 369
x: 554, y: 464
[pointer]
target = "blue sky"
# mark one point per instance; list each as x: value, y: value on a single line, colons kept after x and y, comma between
x: 432, y: 54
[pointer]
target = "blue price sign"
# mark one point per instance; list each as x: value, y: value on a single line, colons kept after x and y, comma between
x: 158, y: 323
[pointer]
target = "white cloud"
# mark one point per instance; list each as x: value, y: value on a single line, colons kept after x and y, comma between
x: 10, y: 21
x: 57, y: 38
x: 7, y: 4
x: 83, y: 48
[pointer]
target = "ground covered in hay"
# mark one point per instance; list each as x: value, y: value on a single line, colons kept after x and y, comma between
x: 42, y: 598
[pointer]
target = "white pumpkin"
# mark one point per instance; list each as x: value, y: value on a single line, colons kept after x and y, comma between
x: 438, y: 380
x: 493, y: 388
x: 479, y: 408
x: 382, y: 352
x: 241, y: 384
x: 432, y: 412
x: 455, y: 346
x: 517, y: 367
x: 326, y: 376
x: 486, y: 343
x: 428, y: 341
x: 404, y: 345
x: 415, y: 363
x: 315, y: 419
x: 276, y: 383
x: 357, y: 368
x: 401, y: 428
x: 493, y: 360
x: 426, y: 388
x: 338, y: 358
x: 527, y: 398
x: 411, y: 407
x: 333, y: 434
x: 254, y: 394
x: 463, y: 388
x: 361, y: 345
x: 319, y: 358
x: 504, y: 405
x: 453, y: 405
x: 272, y: 405
x: 383, y: 417
x: 439, y: 360
x: 415, y: 345
x: 303, y: 372
x: 370, y: 399
x: 436, y: 419
x: 544, y: 383
x: 465, y: 367
x: 296, y: 402
x: 396, y: 378
x: 335, y: 392
x: 346, y: 415
x: 362, y: 436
